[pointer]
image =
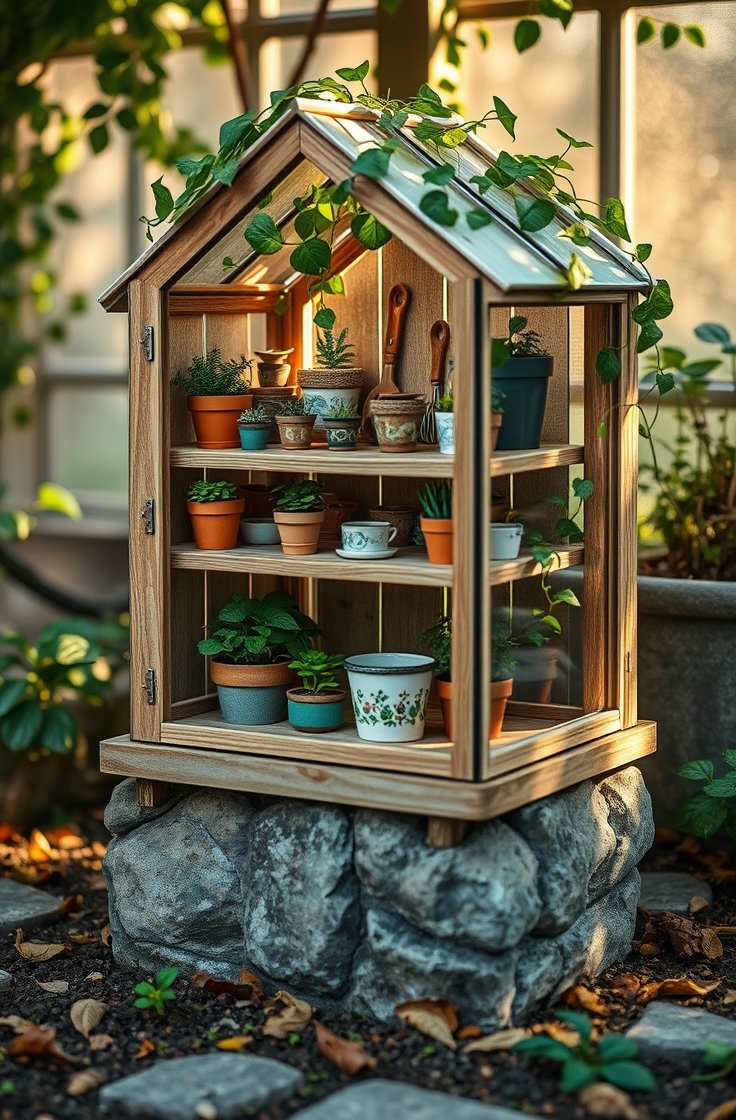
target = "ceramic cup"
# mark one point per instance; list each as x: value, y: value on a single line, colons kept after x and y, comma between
x: 367, y: 536
x: 445, y: 422
x: 390, y: 693
x: 505, y: 540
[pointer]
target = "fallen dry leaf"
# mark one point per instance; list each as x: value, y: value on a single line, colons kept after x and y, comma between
x: 697, y: 903
x: 582, y: 999
x: 687, y: 937
x: 436, y: 1018
x: 691, y: 845
x: 37, y: 950
x: 58, y: 987
x: 609, y: 1102
x: 106, y: 934
x: 292, y: 1018
x: 625, y: 984
x: 85, y: 1080
x: 65, y: 836
x: 39, y: 1042
x: 347, y: 1055
x: 722, y: 1111
x: 239, y: 1042
x: 682, y: 987
x: 7, y: 832
x: 471, y: 1031
x: 100, y: 1041
x: 71, y: 903
x: 501, y: 1040
x: 729, y: 997
x: 39, y: 848
x: 147, y: 1047
x: 86, y: 1014
x: 83, y: 938
x: 243, y: 989
x: 94, y: 976
x: 561, y: 1033
x: 19, y: 1025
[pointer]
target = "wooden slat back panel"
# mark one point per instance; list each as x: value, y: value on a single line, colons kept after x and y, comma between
x: 188, y: 669
x: 186, y: 340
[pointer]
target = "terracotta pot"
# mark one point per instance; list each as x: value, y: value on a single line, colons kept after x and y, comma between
x: 296, y: 431
x: 500, y: 692
x: 496, y: 421
x: 438, y: 538
x: 216, y: 524
x: 299, y: 532
x: 251, y: 676
x: 335, y: 513
x: 215, y: 419
x: 499, y: 509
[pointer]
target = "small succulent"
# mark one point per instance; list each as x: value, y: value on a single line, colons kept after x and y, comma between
x: 299, y: 497
x: 436, y: 500
x: 334, y: 353
x: 317, y: 669
x: 341, y: 412
x: 204, y: 491
x: 254, y: 416
x: 292, y: 406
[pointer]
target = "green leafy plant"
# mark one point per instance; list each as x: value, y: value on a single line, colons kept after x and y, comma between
x: 341, y: 412
x: 503, y: 661
x: 718, y: 1054
x: 497, y: 399
x: 254, y: 416
x: 519, y: 343
x: 446, y: 403
x: 437, y: 641
x: 204, y: 491
x: 292, y: 406
x: 208, y: 376
x: 299, y: 497
x: 259, y: 631
x: 435, y: 499
x: 613, y: 1059
x: 715, y: 804
x: 334, y: 353
x: 317, y: 669
x: 157, y: 994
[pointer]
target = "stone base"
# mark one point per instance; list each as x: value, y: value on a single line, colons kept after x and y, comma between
x: 352, y: 909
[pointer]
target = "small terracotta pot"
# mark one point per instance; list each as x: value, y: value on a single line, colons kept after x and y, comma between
x: 438, y: 538
x: 251, y: 676
x: 500, y: 692
x: 299, y: 532
x: 296, y: 431
x: 215, y: 419
x: 496, y: 421
x: 216, y: 524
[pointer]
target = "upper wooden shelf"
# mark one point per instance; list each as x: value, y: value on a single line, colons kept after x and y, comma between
x: 368, y: 460
x: 409, y: 565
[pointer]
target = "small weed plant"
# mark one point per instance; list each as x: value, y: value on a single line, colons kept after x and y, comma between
x: 714, y: 804
x: 299, y: 497
x: 317, y: 669
x: 292, y: 406
x: 157, y: 994
x: 334, y: 353
x: 209, y: 376
x: 205, y: 491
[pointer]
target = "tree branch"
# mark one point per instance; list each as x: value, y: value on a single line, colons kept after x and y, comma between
x: 315, y: 30
x: 67, y: 601
x: 236, y: 48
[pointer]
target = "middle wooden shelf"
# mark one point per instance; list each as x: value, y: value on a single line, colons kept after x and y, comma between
x: 409, y: 566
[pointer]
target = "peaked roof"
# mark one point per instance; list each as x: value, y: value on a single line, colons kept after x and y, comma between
x: 511, y: 258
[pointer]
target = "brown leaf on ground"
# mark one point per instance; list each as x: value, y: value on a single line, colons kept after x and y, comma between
x: 147, y: 1047
x: 238, y: 1042
x: 37, y: 950
x: 471, y: 1031
x: 697, y: 904
x: 722, y: 931
x: 16, y: 1023
x: 39, y: 849
x: 240, y: 989
x: 347, y: 1055
x: 687, y: 937
x: 691, y: 845
x: 501, y: 1040
x: 86, y: 1014
x: 682, y: 987
x: 582, y: 999
x: 7, y: 832
x: 625, y: 985
x: 40, y: 1042
x: 293, y: 1016
x: 609, y: 1102
x: 106, y: 934
x: 65, y: 836
x: 58, y: 987
x: 73, y: 902
x: 722, y: 1111
x: 436, y: 1018
x: 83, y: 938
x: 85, y: 1080
x: 247, y: 977
x: 561, y: 1033
x: 100, y: 1041
x: 94, y: 976
x: 729, y: 997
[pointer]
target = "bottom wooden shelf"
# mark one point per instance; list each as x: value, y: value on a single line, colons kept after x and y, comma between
x: 398, y: 792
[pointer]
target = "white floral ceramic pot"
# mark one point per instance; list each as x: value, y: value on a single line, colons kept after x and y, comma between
x: 445, y: 422
x: 320, y: 401
x: 390, y: 693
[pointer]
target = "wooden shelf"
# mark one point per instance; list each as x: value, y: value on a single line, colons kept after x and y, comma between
x: 369, y: 461
x: 409, y: 566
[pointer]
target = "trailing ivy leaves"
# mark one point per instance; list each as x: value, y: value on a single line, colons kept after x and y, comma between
x: 505, y: 116
x: 643, y: 252
x: 616, y: 219
x: 646, y: 30
x: 354, y: 73
x: 715, y: 804
x: 694, y: 34
x: 311, y: 257
x: 440, y: 175
x: 163, y: 199
x: 369, y: 232
x: 436, y: 206
x: 534, y: 213
x: 526, y: 33
x: 263, y: 235
x: 476, y: 219
x: 670, y: 35
x: 608, y: 365
x: 713, y: 332
x: 373, y: 162
x: 572, y: 141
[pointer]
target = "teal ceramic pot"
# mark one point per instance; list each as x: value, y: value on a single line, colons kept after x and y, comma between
x: 316, y: 713
x: 524, y: 383
x: 254, y: 437
x: 342, y: 435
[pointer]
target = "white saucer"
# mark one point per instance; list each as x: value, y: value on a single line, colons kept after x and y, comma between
x: 382, y: 555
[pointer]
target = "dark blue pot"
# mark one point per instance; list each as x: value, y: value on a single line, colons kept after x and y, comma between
x: 252, y: 706
x: 342, y: 435
x: 254, y: 437
x: 524, y: 383
x: 316, y: 717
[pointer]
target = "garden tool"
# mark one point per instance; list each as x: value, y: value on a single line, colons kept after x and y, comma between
x: 439, y: 337
x: 399, y: 299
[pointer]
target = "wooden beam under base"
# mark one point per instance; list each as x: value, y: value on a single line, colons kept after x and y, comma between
x: 376, y: 789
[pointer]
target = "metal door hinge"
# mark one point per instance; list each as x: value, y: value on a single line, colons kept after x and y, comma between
x: 148, y: 514
x: 149, y: 686
x: 147, y: 343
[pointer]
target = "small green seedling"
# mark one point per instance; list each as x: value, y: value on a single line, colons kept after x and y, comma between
x: 157, y: 994
x: 613, y: 1059
x: 717, y: 1054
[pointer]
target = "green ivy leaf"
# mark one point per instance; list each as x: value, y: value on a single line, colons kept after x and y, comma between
x: 526, y: 33
x: 700, y: 369
x: 534, y: 213
x: 557, y: 9
x: 505, y: 116
x: 163, y: 199
x: 22, y: 725
x: 226, y: 172
x: 632, y: 1076
x: 263, y: 235
x: 58, y: 730
x: 649, y: 335
x: 440, y: 176
x: 516, y: 168
x: 99, y: 138
x: 311, y: 257
x: 96, y: 110
x: 665, y: 382
x: 608, y: 365
x: 340, y: 193
x: 616, y: 219
x: 701, y: 815
x: 66, y: 211
x: 369, y: 232
x: 476, y: 219
x: 572, y: 141
x: 643, y: 252
x: 578, y: 233
x: 435, y: 205
x: 713, y: 332
x: 646, y: 30
x: 583, y: 488
x: 694, y: 34
x: 670, y: 35
x: 228, y: 262
x: 373, y: 163
x: 354, y: 73
x: 660, y: 300
x: 325, y: 318
x: 722, y: 787
x: 426, y: 93
x: 428, y: 130
x: 729, y: 757
x: 566, y: 595
x: 265, y: 201
x: 453, y: 137
x: 235, y: 130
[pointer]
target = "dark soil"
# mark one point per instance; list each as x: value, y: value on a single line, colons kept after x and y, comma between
x: 33, y: 1088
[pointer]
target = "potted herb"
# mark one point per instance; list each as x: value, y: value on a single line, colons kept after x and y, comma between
x: 295, y: 424
x: 254, y: 425
x: 251, y: 644
x: 342, y: 424
x: 445, y: 419
x: 216, y: 395
x: 390, y: 692
x: 334, y: 379
x: 521, y: 369
x: 435, y: 500
x: 319, y: 705
x: 299, y: 514
x: 215, y: 510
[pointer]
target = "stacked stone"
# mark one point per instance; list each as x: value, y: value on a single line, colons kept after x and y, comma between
x: 352, y: 909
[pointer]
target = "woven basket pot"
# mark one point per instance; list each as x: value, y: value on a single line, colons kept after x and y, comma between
x: 351, y: 377
x: 397, y: 421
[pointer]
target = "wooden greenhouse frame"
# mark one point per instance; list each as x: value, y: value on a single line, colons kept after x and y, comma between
x: 181, y: 302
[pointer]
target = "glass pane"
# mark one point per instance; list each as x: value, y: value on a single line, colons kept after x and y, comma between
x: 280, y: 56
x: 88, y: 443
x: 270, y: 8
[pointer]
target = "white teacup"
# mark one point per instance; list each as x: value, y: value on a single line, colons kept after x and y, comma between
x: 367, y: 536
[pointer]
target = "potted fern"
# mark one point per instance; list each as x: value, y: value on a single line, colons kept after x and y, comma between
x: 299, y: 513
x: 254, y: 426
x: 435, y: 500
x: 334, y: 380
x: 215, y: 510
x: 295, y: 424
x: 216, y: 395
x: 342, y: 424
x: 319, y: 705
x: 521, y: 369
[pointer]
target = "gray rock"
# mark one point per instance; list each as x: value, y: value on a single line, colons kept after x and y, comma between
x: 672, y: 890
x: 378, y: 1099
x: 302, y: 913
x: 630, y: 817
x: 235, y: 1085
x: 25, y: 907
x: 667, y: 1032
x: 6, y: 980
x: 123, y: 814
x: 570, y: 835
x: 600, y: 936
x: 397, y: 962
x: 481, y: 893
